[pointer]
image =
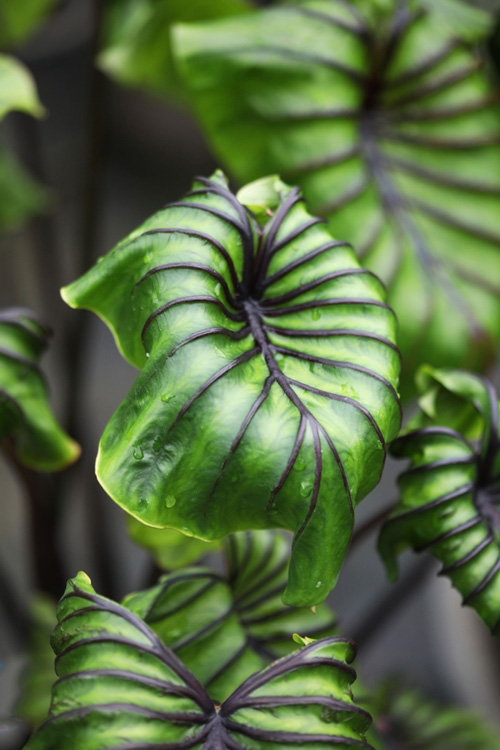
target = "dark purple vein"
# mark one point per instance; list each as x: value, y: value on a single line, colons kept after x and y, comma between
x: 303, y: 288
x: 188, y: 265
x: 302, y: 261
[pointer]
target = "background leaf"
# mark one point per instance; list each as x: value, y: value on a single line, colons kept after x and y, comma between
x: 252, y: 344
x: 136, y: 49
x: 17, y: 88
x: 449, y: 497
x: 20, y: 196
x: 171, y: 549
x: 20, y: 18
x: 26, y: 419
x: 392, y: 130
x: 116, y: 680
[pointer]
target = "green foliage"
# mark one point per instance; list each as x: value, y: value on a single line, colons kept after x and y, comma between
x: 20, y: 196
x: 38, y: 677
x: 26, y: 420
x: 170, y: 549
x: 271, y: 346
x: 391, y: 128
x: 226, y: 629
x: 407, y: 720
x: 136, y: 47
x: 20, y: 18
x: 118, y: 680
x: 449, y: 496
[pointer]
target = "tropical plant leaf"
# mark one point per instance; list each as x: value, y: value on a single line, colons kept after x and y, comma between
x: 267, y: 389
x: 17, y: 88
x: 226, y: 629
x: 25, y: 415
x: 38, y: 676
x: 449, y: 496
x: 171, y: 549
x: 120, y: 686
x: 407, y: 720
x: 20, y: 18
x: 391, y: 128
x: 136, y: 46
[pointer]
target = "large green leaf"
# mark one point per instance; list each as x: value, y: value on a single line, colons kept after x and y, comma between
x: 449, y: 497
x: 25, y: 415
x: 136, y: 47
x: 119, y: 686
x: 267, y: 389
x: 391, y: 129
x: 408, y: 720
x: 224, y: 630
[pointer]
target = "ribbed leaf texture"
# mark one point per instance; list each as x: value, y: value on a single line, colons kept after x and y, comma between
x: 119, y: 686
x: 390, y: 126
x: 224, y: 630
x: 408, y: 720
x: 269, y: 368
x: 450, y: 494
x: 26, y: 419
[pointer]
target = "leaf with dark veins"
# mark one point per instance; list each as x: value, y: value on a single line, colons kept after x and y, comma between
x: 269, y: 368
x: 27, y: 423
x: 121, y: 688
x: 450, y: 495
x: 392, y: 129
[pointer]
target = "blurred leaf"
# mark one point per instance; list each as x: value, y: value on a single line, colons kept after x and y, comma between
x: 171, y: 549
x: 25, y: 415
x: 392, y: 130
x: 463, y: 18
x: 20, y: 18
x: 39, y: 675
x: 450, y: 495
x: 137, y: 50
x: 17, y: 89
x: 20, y: 196
x: 407, y: 720
x: 118, y: 683
x: 267, y: 390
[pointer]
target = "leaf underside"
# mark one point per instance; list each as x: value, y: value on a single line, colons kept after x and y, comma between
x: 393, y: 133
x: 226, y: 629
x: 267, y: 390
x: 26, y: 419
x: 449, y: 496
x: 121, y: 688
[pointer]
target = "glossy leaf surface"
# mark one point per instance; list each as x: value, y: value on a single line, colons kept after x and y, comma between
x: 25, y: 415
x: 117, y: 680
x: 267, y: 389
x: 137, y: 47
x: 226, y: 629
x: 449, y: 496
x: 391, y: 128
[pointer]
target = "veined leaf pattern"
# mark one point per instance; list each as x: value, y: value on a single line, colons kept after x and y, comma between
x: 224, y: 629
x: 269, y: 368
x: 391, y: 128
x: 121, y: 688
x: 449, y: 496
x: 26, y: 419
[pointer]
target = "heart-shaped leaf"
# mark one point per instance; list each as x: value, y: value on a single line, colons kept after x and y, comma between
x: 390, y: 126
x: 449, y: 497
x: 224, y: 630
x: 25, y: 415
x: 267, y: 389
x: 119, y: 686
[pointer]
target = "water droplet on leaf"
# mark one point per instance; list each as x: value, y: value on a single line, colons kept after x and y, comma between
x: 157, y: 443
x: 217, y: 289
x: 166, y: 397
x: 316, y: 313
x: 306, y: 487
x: 138, y: 453
x: 170, y: 501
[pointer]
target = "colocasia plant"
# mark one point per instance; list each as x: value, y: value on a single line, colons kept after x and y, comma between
x: 269, y: 326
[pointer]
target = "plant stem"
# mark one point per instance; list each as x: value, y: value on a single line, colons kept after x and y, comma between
x: 388, y: 605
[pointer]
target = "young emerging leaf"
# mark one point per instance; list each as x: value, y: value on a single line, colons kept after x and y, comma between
x: 224, y: 630
x: 120, y: 686
x: 450, y: 496
x: 25, y: 415
x: 269, y: 367
x: 390, y: 126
